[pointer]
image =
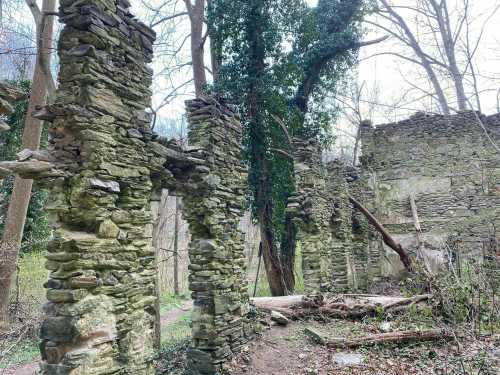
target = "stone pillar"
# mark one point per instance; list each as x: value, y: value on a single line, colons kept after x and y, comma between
x: 340, y: 226
x: 214, y: 198
x: 310, y: 208
x: 360, y: 231
x: 369, y: 185
x: 100, y: 313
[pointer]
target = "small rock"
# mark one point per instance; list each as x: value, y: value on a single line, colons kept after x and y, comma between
x: 385, y: 327
x: 111, y: 186
x: 108, y: 229
x: 302, y: 356
x: 122, y: 235
x: 134, y: 133
x: 279, y: 318
x: 4, y: 127
x: 315, y: 335
x: 348, y: 359
x: 24, y: 154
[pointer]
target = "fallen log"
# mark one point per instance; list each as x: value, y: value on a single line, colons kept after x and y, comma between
x: 386, y: 237
x: 382, y: 338
x: 344, y: 306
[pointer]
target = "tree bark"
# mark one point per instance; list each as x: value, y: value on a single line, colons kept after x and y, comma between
x: 157, y: 208
x: 443, y: 19
x: 288, y: 248
x: 390, y: 337
x: 343, y: 306
x: 19, y: 201
x: 215, y: 49
x: 258, y: 148
x: 272, y: 263
x: 196, y: 13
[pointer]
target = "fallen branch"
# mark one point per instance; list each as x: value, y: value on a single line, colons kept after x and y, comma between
x: 347, y: 306
x: 386, y: 237
x: 382, y: 338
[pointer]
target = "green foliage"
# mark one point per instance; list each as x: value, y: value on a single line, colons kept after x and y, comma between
x: 22, y: 352
x: 176, y: 332
x: 170, y: 301
x: 282, y: 59
x: 37, y: 229
x: 26, y: 299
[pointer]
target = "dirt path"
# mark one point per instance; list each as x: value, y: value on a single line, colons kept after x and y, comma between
x: 31, y: 368
x: 288, y: 351
x: 172, y: 315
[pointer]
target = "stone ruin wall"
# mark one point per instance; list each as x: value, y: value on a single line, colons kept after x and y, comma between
x: 100, y: 314
x: 453, y: 172
x: 319, y: 209
x: 446, y: 164
x: 214, y: 204
x: 104, y: 167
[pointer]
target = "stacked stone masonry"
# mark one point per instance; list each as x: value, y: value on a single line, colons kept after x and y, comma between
x: 214, y: 200
x: 320, y: 211
x: 100, y: 314
x: 446, y: 166
x: 452, y: 171
x: 104, y: 167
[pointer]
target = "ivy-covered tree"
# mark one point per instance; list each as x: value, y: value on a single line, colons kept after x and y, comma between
x: 279, y: 61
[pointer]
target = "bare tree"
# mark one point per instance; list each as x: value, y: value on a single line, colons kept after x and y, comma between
x: 358, y: 104
x: 19, y: 201
x: 436, y: 35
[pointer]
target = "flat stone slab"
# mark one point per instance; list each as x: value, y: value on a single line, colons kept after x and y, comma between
x: 348, y: 359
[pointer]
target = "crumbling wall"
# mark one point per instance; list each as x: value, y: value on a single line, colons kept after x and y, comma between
x: 452, y: 171
x: 100, y: 313
x: 362, y: 262
x: 104, y: 168
x: 319, y: 208
x: 214, y: 200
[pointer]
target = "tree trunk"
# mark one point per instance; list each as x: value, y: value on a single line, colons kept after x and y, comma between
x: 397, y: 337
x: 288, y: 246
x: 258, y: 148
x: 176, y: 247
x: 342, y: 306
x: 196, y: 16
x: 157, y: 208
x: 443, y: 19
x: 272, y: 262
x: 215, y: 48
x: 386, y: 237
x: 19, y: 201
x: 424, y: 61
x: 356, y: 144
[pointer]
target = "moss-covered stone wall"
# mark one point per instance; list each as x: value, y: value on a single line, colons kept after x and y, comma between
x: 451, y: 169
x: 321, y: 213
x: 100, y: 313
x: 214, y: 199
x: 104, y: 166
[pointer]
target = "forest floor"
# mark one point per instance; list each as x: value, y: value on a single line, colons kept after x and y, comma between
x: 288, y: 351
